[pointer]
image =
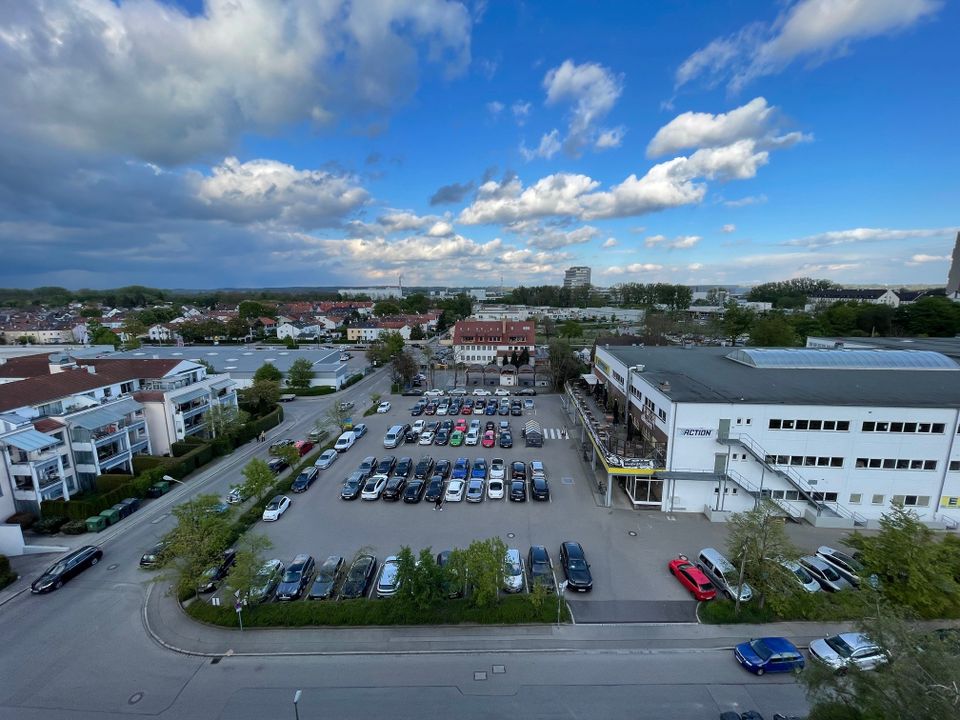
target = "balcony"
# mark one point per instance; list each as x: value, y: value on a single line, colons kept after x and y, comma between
x: 193, y: 409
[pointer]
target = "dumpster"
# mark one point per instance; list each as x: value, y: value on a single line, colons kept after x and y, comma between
x: 133, y: 503
x: 111, y: 515
x: 96, y: 523
x: 122, y: 510
x: 158, y: 488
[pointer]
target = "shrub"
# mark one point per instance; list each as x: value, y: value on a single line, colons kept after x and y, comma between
x: 23, y: 519
x: 49, y: 525
x: 352, y: 380
x: 111, y: 481
x: 74, y: 527
x: 7, y: 575
x: 142, y: 463
x: 312, y: 391
x: 820, y: 606
x: 180, y: 448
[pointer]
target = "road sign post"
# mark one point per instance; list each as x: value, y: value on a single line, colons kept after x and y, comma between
x: 560, y: 588
x: 238, y: 606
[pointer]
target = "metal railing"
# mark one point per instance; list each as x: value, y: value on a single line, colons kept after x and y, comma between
x: 592, y: 427
x: 788, y: 507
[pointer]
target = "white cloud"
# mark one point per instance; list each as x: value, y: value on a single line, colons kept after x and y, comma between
x: 728, y: 228
x: 818, y: 30
x: 610, y: 138
x: 521, y: 111
x: 920, y: 259
x: 746, y: 201
x: 695, y: 266
x: 270, y: 191
x: 495, y: 107
x: 633, y: 268
x: 549, y: 146
x: 552, y: 239
x: 593, y: 90
x: 440, y: 229
x: 867, y: 235
x: 147, y: 80
x: 609, y: 243
x: 683, y: 242
x: 698, y: 129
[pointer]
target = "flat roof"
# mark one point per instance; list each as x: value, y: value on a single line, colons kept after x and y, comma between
x: 241, y: 360
x: 949, y: 346
x: 707, y: 375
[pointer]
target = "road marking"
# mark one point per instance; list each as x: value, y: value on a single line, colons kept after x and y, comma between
x: 159, y: 518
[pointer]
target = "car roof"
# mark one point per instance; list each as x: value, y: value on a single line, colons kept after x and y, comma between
x: 331, y: 561
x: 573, y: 548
x: 300, y: 559
x: 779, y: 644
x: 856, y: 640
x: 538, y: 552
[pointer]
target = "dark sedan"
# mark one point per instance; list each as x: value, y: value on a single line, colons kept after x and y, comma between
x: 296, y: 578
x: 304, y: 480
x: 212, y: 575
x: 66, y: 569
x: 326, y: 578
x: 518, y: 470
x: 359, y: 577
x: 435, y: 488
x: 367, y: 466
x: 404, y: 466
x: 540, y: 567
x: 506, y: 440
x: 442, y: 468
x: 385, y: 466
x: 442, y: 437
x: 518, y: 490
x: 414, y: 491
x: 424, y: 468
x: 575, y: 567
x: 154, y: 557
x: 352, y: 486
x: 277, y: 465
x: 394, y: 487
x: 539, y: 488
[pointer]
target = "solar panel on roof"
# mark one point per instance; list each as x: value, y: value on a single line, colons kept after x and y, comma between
x: 822, y: 359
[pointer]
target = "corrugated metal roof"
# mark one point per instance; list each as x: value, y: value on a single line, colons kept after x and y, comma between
x: 30, y: 440
x: 93, y: 419
x: 818, y: 358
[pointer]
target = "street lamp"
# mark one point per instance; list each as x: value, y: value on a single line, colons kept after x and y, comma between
x: 296, y: 701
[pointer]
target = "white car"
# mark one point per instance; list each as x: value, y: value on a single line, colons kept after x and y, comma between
x: 326, y: 459
x: 236, y: 496
x: 528, y: 404
x: 454, y: 491
x: 475, y: 425
x: 436, y: 392
x: 373, y: 487
x: 498, y: 469
x: 388, y: 583
x: 426, y: 437
x: 473, y: 437
x: 345, y: 441
x: 842, y: 651
x: 459, y: 391
x: 442, y: 408
x: 495, y: 489
x: 480, y: 392
x: 513, y: 571
x: 275, y: 508
x: 383, y: 407
x: 501, y: 392
x: 418, y: 426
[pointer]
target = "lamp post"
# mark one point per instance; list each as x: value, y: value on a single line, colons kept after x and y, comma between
x: 296, y: 702
x: 561, y: 586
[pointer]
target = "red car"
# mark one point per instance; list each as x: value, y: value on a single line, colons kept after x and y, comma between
x: 460, y: 425
x: 304, y: 446
x: 489, y: 439
x: 692, y: 578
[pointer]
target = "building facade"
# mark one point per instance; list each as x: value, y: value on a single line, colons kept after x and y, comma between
x: 486, y: 341
x: 576, y: 277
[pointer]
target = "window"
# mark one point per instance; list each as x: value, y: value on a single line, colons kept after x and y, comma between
x: 902, y: 464
x: 796, y: 460
x: 788, y: 424
x: 875, y: 463
x: 889, y: 464
x: 929, y: 464
x: 816, y: 425
x: 877, y: 500
x: 739, y: 421
x: 749, y: 421
x: 823, y: 462
x: 775, y: 425
x: 792, y: 495
x: 923, y: 427
x: 954, y: 465
x: 896, y: 427
x: 883, y: 427
x: 810, y: 461
x: 938, y: 428
x: 829, y: 425
x: 843, y: 425
x: 910, y: 427
x: 861, y: 462
x: 855, y: 498
x: 868, y: 426
x: 911, y: 500
x: 836, y: 462
x: 803, y: 424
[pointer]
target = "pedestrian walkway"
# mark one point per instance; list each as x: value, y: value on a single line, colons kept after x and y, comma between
x: 553, y: 434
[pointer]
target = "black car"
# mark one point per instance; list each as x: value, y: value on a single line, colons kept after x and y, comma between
x: 367, y: 466
x: 539, y: 488
x: 358, y: 577
x: 277, y: 465
x: 575, y: 566
x: 403, y: 467
x: 416, y: 410
x: 435, y: 488
x: 326, y: 578
x: 526, y: 391
x: 414, y: 490
x: 296, y: 578
x: 394, y: 487
x: 305, y: 480
x: 516, y: 410
x: 66, y: 569
x: 442, y: 468
x: 540, y: 567
x: 446, y: 425
x: 352, y: 486
x: 518, y: 470
x: 490, y: 425
x: 506, y: 439
x: 212, y: 575
x: 424, y: 468
x: 411, y: 436
x: 432, y: 426
x: 518, y: 490
x: 154, y: 556
x: 279, y: 445
x: 385, y: 466
x: 442, y: 437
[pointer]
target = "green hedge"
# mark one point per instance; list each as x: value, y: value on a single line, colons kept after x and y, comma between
x: 111, y: 481
x: 142, y: 463
x: 352, y: 380
x: 820, y: 606
x: 7, y: 575
x: 511, y: 610
x: 311, y: 391
x: 181, y: 448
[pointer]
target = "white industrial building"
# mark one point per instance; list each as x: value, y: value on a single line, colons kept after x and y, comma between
x: 832, y: 436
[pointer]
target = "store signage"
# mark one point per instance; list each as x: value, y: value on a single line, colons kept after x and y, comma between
x: 695, y: 432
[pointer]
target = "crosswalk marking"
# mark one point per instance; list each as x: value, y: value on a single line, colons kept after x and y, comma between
x: 553, y: 433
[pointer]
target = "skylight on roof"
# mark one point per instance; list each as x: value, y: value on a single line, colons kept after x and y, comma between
x: 830, y: 359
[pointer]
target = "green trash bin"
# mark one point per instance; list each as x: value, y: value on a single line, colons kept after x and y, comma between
x: 96, y: 523
x: 111, y: 515
x: 159, y: 488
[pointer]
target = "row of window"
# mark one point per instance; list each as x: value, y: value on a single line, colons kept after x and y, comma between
x: 903, y: 427
x: 795, y: 495
x: 896, y: 464
x: 905, y: 500
x: 804, y: 460
x: 828, y: 425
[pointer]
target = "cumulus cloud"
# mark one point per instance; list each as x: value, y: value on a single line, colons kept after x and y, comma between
x: 593, y: 90
x: 746, y: 201
x: 920, y: 259
x: 548, y: 147
x: 816, y: 30
x: 552, y: 238
x: 453, y: 193
x: 610, y: 138
x: 698, y: 129
x: 609, y: 243
x: 683, y: 242
x: 728, y: 228
x: 271, y: 191
x: 440, y: 229
x: 633, y: 268
x: 147, y: 80
x: 867, y: 235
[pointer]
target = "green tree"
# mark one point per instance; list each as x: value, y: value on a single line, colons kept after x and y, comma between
x: 337, y: 416
x: 251, y: 310
x: 547, y: 327
x: 300, y: 373
x: 564, y: 365
x: 261, y: 396
x: 571, y: 329
x: 100, y: 335
x: 788, y: 294
x: 772, y: 330
x: 225, y: 420
x: 386, y: 307
x: 268, y: 371
x: 416, y: 333
x: 737, y: 321
x: 757, y: 539
x: 237, y: 328
x: 482, y: 565
x: 524, y: 358
x: 90, y: 312
x: 404, y: 367
x: 249, y: 561
x: 382, y: 350
x: 198, y: 540
x: 289, y: 454
x: 258, y: 478
x: 416, y: 303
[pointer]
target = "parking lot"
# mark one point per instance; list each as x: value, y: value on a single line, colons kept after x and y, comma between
x: 628, y: 550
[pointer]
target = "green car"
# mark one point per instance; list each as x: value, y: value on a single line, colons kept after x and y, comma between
x: 456, y: 439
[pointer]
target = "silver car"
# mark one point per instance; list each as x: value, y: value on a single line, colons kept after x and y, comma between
x: 802, y: 575
x: 824, y: 573
x: 388, y: 584
x: 513, y: 571
x: 849, y: 568
x: 846, y: 650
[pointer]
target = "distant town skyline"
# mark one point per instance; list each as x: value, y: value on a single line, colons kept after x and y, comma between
x: 208, y: 144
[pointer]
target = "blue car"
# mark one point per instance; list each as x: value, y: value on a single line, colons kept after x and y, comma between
x: 769, y: 654
x: 460, y: 469
x: 491, y: 409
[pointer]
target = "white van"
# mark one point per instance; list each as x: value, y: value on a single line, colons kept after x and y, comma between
x: 345, y: 441
x: 394, y: 436
x: 723, y: 574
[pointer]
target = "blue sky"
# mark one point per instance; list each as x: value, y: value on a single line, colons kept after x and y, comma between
x: 265, y: 143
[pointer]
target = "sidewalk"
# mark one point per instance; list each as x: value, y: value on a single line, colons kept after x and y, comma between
x: 168, y: 625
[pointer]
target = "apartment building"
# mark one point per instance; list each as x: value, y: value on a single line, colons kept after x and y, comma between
x: 484, y: 341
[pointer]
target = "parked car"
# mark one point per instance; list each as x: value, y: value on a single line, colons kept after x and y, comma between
x: 475, y: 490
x: 327, y: 575
x: 214, y: 574
x: 424, y: 468
x: 442, y: 468
x: 279, y: 444
x: 850, y: 568
x: 277, y: 465
x: 388, y: 583
x: 296, y: 578
x: 345, y: 441
x: 526, y: 391
x: 385, y: 466
x: 411, y: 436
x: 353, y: 486
x: 426, y: 437
x: 575, y: 567
x: 304, y: 480
x: 435, y: 489
x: 540, y: 567
x: 491, y: 409
x: 404, y: 466
x: 498, y: 469
x: 472, y: 438
x: 373, y: 487
x: 539, y: 488
x: 367, y: 466
x: 495, y: 489
x: 460, y: 468
x: 457, y: 438
x: 435, y: 392
x: 501, y: 392
x: 275, y: 508
x: 265, y: 582
x: 346, y: 405
x: 479, y: 469
x: 460, y: 425
x: 480, y: 392
x: 489, y: 439
x: 236, y: 495
x: 513, y: 572
x: 413, y: 492
x: 528, y: 404
x: 692, y: 578
x: 417, y: 410
x: 506, y: 440
x: 360, y: 429
x: 418, y: 426
x: 518, y: 470
x: 801, y: 575
x: 454, y: 491
x: 394, y: 488
x: 154, y: 557
x: 769, y: 654
x: 442, y: 437
x: 846, y: 650
x: 358, y: 579
x: 326, y: 459
x: 824, y: 573
x: 723, y: 574
x: 518, y: 490
x: 384, y: 407
x: 303, y: 447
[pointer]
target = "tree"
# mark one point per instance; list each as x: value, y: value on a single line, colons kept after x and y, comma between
x: 262, y: 395
x: 404, y: 367
x: 737, y: 321
x: 249, y: 561
x: 90, y: 312
x: 289, y: 454
x: 375, y: 398
x: 225, y: 420
x: 482, y: 565
x: 268, y: 371
x: 133, y: 329
x: 198, y: 540
x: 416, y: 333
x: 300, y: 373
x: 337, y: 416
x: 99, y: 335
x: 237, y: 328
x: 251, y: 310
x: 772, y: 330
x: 547, y: 327
x: 571, y: 329
x: 386, y: 307
x: 524, y: 358
x: 564, y: 365
x: 792, y: 293
x: 258, y: 478
x: 420, y: 580
x: 382, y: 350
x: 206, y: 364
x: 756, y: 540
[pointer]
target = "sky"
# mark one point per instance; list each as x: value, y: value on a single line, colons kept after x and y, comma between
x: 263, y: 143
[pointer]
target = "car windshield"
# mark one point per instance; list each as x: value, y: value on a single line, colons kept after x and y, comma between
x: 829, y: 573
x: 291, y: 576
x: 802, y: 575
x: 325, y: 576
x: 511, y: 568
x: 761, y: 649
x: 839, y: 646
x: 577, y: 564
x: 273, y: 505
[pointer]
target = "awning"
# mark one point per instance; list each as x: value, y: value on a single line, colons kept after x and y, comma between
x: 191, y: 395
x: 93, y: 419
x: 221, y: 384
x: 30, y: 440
x: 589, y: 378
